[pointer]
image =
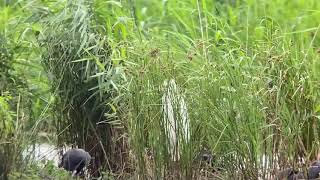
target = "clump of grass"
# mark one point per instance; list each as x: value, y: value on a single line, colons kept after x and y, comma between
x: 12, y: 91
x: 246, y: 75
x: 36, y: 172
x: 76, y: 57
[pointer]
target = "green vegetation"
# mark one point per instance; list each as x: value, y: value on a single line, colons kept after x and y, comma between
x: 92, y: 74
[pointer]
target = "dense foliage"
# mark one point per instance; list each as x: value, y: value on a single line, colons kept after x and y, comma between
x: 94, y: 74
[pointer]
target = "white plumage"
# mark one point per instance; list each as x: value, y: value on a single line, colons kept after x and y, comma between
x: 176, y: 119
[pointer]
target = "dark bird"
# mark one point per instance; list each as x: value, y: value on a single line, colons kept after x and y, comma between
x: 75, y: 160
x: 315, y: 163
x: 314, y: 170
x: 289, y: 174
x: 207, y: 158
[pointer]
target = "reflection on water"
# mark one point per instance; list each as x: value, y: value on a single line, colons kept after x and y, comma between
x: 42, y: 153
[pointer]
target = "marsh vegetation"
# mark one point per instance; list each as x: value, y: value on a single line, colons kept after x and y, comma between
x: 160, y: 89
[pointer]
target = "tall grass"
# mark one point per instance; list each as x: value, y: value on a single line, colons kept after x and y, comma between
x: 247, y: 71
x: 13, y: 112
x: 20, y: 102
x: 76, y: 57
